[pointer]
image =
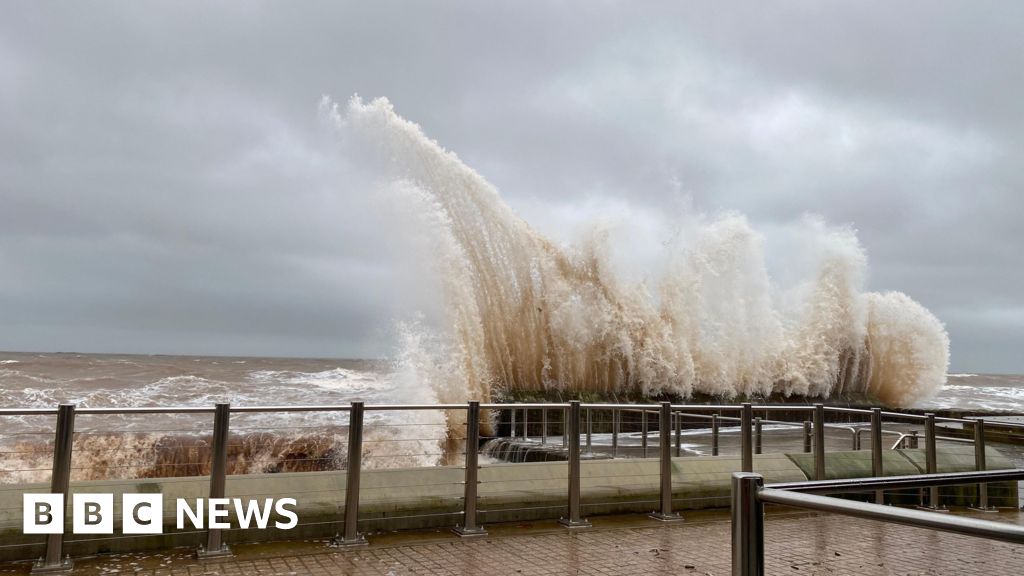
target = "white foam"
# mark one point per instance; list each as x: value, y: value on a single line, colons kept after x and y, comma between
x: 525, y: 313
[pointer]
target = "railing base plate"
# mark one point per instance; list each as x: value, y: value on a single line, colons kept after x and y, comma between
x: 941, y: 509
x: 978, y: 509
x: 575, y: 524
x: 464, y: 532
x: 358, y: 542
x: 65, y: 566
x: 674, y: 517
x: 223, y: 552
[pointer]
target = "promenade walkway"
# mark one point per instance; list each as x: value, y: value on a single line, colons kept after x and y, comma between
x: 796, y: 543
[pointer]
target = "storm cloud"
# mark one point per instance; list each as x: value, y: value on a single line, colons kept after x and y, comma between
x: 166, y: 184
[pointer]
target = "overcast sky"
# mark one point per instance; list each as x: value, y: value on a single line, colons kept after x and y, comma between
x: 166, y: 185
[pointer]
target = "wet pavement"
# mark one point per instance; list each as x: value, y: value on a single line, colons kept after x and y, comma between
x: 795, y: 543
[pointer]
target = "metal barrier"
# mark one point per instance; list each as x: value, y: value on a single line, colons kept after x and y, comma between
x: 670, y: 420
x: 59, y: 484
x: 573, y: 520
x: 749, y: 494
x: 218, y: 478
x: 470, y: 526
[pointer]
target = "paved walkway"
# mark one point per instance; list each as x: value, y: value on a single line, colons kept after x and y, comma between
x: 796, y: 543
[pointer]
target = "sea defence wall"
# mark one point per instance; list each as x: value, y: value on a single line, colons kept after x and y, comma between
x: 395, y: 499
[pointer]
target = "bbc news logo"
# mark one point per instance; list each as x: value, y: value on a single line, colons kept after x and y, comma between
x: 144, y: 513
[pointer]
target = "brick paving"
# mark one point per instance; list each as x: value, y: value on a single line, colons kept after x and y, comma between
x: 796, y: 543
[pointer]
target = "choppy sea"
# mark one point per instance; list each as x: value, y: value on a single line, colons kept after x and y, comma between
x: 44, y: 380
x: 160, y: 445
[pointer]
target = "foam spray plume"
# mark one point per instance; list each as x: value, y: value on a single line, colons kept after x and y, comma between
x: 522, y: 313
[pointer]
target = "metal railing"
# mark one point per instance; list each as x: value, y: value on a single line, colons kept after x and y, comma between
x: 670, y: 419
x: 749, y: 495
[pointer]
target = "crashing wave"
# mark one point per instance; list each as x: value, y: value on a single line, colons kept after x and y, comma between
x: 525, y: 314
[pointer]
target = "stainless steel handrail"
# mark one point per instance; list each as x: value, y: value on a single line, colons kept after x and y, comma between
x: 749, y: 494
x: 899, y: 482
x: 28, y: 411
x: 896, y: 445
x: 149, y: 410
x: 669, y: 416
x: 652, y: 408
x: 949, y: 523
x: 264, y: 409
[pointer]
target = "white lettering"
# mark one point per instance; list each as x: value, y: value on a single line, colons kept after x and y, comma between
x: 217, y: 508
x: 280, y: 508
x: 185, y: 510
x: 92, y: 513
x: 142, y: 514
x: 42, y: 513
x: 252, y: 510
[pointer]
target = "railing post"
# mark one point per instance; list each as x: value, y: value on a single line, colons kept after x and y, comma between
x: 807, y: 436
x: 543, y: 425
x: 665, y: 458
x: 819, y: 441
x: 913, y: 439
x: 526, y: 424
x: 469, y: 526
x: 714, y: 434
x: 679, y: 434
x: 615, y: 432
x: 930, y: 459
x: 876, y: 451
x: 352, y: 538
x: 512, y: 426
x: 565, y: 427
x: 573, y: 433
x: 215, y: 547
x: 643, y: 428
x: 980, y: 465
x: 60, y: 483
x: 757, y: 435
x: 747, y: 525
x: 746, y: 450
x: 590, y: 426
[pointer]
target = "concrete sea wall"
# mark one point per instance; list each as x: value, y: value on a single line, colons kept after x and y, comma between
x: 432, y: 497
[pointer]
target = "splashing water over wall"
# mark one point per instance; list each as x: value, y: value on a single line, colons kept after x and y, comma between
x: 525, y: 314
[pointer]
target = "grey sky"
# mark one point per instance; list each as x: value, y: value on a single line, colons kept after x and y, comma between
x: 166, y: 184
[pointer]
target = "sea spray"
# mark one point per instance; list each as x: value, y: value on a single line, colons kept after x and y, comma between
x: 907, y: 347
x: 525, y: 314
